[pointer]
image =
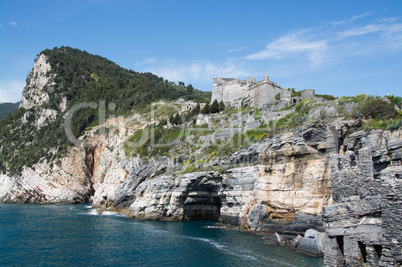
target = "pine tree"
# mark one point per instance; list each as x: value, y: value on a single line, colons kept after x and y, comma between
x: 197, y: 108
x: 205, y: 109
x: 221, y: 106
x: 214, y: 107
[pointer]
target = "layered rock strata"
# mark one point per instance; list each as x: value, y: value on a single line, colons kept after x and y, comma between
x: 364, y: 223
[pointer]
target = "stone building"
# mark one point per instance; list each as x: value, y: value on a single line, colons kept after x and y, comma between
x: 235, y: 92
x: 247, y: 92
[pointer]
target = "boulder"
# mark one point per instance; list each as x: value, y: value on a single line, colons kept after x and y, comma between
x: 296, y: 241
x: 275, y: 239
x: 312, y: 243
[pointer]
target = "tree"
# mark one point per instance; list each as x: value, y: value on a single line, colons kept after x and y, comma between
x: 177, y: 119
x: 181, y: 84
x: 205, y: 110
x: 197, y: 109
x: 189, y: 89
x: 214, y: 107
x: 221, y: 106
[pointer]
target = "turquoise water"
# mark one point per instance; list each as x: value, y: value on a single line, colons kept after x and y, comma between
x: 67, y: 235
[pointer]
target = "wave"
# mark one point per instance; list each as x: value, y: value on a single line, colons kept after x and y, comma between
x: 93, y: 212
x: 112, y: 213
x: 105, y: 213
x: 238, y: 251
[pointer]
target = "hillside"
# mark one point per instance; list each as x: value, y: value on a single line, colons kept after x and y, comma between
x: 6, y: 108
x: 61, y: 79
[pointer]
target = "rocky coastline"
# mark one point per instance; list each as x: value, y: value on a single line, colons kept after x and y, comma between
x: 324, y: 188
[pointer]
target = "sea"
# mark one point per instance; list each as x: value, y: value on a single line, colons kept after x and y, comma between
x: 76, y: 235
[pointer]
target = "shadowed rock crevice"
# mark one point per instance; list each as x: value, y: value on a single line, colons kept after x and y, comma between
x: 203, y: 201
x: 89, y: 168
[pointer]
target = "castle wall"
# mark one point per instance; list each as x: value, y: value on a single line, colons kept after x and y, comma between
x: 264, y: 93
x: 308, y: 93
x: 286, y: 95
x: 255, y: 94
x: 228, y: 90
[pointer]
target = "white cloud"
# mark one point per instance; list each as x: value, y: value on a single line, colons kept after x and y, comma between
x: 388, y: 19
x: 10, y: 91
x: 352, y: 18
x: 195, y: 72
x: 384, y: 36
x: 146, y: 61
x: 13, y: 23
x: 198, y: 71
x: 362, y: 30
x: 294, y: 42
x: 237, y: 49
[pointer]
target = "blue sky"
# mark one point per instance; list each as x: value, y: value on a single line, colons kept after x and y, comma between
x: 335, y: 47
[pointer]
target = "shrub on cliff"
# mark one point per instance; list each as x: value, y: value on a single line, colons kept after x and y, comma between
x: 376, y: 108
x: 397, y: 100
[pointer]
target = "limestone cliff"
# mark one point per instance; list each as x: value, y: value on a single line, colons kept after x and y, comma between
x: 281, y: 185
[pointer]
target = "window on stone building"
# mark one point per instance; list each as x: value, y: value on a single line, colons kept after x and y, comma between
x: 363, y: 250
x: 339, y: 240
x: 378, y: 250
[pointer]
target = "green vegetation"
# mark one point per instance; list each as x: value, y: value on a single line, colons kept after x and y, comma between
x: 395, y: 125
x: 326, y: 97
x: 376, y: 112
x: 257, y: 114
x: 294, y: 92
x: 6, y: 108
x: 154, y: 141
x: 296, y: 118
x: 221, y: 106
x: 287, y: 107
x: 205, y: 109
x: 376, y: 108
x: 397, y: 100
x: 214, y: 107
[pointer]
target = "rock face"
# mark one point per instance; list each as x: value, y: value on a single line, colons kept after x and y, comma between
x: 272, y: 192
x: 286, y: 188
x: 88, y: 173
x: 187, y: 197
x: 38, y: 84
x: 363, y: 225
x: 64, y: 183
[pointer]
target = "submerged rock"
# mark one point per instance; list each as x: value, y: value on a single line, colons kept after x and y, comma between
x: 275, y: 239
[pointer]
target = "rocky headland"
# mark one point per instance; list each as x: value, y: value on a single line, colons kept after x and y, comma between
x: 316, y: 175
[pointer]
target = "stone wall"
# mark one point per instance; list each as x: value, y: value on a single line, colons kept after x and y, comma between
x: 308, y: 93
x: 229, y: 90
x: 363, y: 225
x: 252, y: 93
